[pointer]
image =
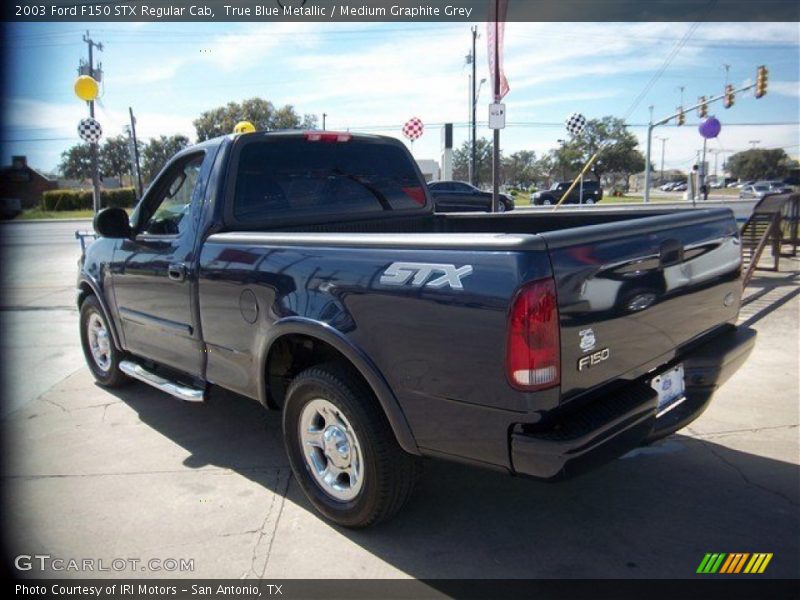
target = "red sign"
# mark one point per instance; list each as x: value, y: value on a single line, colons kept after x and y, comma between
x: 495, y: 29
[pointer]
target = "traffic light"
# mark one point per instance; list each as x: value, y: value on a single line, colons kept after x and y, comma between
x: 761, y: 81
x: 702, y: 110
x: 729, y: 96
x: 681, y: 116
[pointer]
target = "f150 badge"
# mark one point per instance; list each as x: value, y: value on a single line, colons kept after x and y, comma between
x: 432, y: 275
x: 593, y: 359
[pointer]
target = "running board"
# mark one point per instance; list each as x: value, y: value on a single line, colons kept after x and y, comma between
x: 180, y: 391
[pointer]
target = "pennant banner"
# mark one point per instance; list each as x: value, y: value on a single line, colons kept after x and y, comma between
x: 495, y: 28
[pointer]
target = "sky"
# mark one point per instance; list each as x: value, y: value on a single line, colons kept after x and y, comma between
x: 373, y: 77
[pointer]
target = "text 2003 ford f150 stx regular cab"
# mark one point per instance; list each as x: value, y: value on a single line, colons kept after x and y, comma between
x: 307, y: 270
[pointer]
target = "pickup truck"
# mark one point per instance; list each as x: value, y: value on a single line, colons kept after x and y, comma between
x: 308, y: 271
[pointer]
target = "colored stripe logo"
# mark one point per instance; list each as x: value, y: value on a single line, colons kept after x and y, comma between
x: 734, y: 563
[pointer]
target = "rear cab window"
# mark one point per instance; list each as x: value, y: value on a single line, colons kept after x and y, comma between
x: 292, y: 177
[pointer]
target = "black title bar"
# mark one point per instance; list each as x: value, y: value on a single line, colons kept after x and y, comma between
x: 400, y: 10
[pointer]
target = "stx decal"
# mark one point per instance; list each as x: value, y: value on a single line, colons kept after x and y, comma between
x: 420, y: 274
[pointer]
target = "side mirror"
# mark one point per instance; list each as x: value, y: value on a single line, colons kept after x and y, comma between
x: 112, y: 223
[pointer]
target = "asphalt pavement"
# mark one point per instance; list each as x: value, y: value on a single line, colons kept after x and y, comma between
x: 135, y: 474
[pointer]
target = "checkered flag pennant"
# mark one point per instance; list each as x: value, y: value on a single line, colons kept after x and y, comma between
x: 413, y: 129
x: 576, y: 123
x: 89, y: 130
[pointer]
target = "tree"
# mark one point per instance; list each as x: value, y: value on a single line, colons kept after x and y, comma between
x: 521, y: 168
x: 548, y: 168
x: 76, y: 162
x: 261, y: 113
x: 115, y: 158
x: 759, y: 163
x: 619, y: 156
x: 567, y: 161
x: 483, y: 162
x: 158, y: 151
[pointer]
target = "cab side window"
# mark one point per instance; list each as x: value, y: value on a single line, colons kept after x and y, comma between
x: 171, y: 210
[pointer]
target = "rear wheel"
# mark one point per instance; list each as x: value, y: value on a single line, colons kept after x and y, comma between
x: 101, y: 355
x: 342, y: 449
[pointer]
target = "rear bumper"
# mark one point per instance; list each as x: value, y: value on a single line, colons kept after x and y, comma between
x: 619, y: 422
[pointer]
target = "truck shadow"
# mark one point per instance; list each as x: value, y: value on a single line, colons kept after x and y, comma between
x: 653, y: 513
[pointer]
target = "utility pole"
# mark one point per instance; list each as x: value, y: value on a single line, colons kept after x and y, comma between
x: 324, y: 116
x: 473, y: 134
x: 663, y: 145
x: 97, y: 75
x: 136, y: 153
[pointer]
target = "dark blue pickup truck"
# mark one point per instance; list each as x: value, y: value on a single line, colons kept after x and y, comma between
x: 307, y: 270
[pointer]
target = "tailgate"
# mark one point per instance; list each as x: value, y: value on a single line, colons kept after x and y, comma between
x: 631, y: 293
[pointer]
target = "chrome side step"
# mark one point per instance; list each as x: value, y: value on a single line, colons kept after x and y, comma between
x: 178, y: 390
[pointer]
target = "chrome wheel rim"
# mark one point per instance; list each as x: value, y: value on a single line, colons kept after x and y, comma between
x: 331, y: 450
x: 99, y: 343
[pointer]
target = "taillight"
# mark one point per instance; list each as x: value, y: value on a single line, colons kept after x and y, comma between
x: 327, y: 136
x: 533, y: 355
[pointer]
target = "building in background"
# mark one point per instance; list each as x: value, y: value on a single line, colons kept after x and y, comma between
x: 429, y: 168
x: 24, y: 183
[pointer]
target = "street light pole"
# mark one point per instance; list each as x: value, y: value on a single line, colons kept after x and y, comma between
x: 473, y: 150
x: 647, y: 181
x: 94, y: 145
x: 324, y: 117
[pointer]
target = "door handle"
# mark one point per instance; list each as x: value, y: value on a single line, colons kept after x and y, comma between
x: 176, y: 272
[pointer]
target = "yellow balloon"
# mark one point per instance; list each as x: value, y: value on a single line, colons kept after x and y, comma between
x: 86, y: 88
x: 244, y: 127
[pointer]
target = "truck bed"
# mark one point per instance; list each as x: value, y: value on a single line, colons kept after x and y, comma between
x: 647, y: 287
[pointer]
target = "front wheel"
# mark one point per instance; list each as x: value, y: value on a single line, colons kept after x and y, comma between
x: 101, y: 355
x: 342, y: 449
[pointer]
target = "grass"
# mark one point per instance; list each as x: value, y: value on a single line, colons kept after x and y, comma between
x: 37, y: 214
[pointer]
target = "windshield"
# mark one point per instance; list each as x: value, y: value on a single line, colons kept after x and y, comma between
x: 294, y: 176
x: 761, y: 188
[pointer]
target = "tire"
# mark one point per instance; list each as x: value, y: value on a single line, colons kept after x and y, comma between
x: 501, y: 207
x: 589, y: 201
x: 547, y: 202
x: 101, y: 354
x: 330, y: 415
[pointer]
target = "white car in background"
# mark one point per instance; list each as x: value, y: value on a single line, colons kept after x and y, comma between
x: 757, y: 190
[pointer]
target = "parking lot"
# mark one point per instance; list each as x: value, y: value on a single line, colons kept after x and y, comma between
x: 136, y: 474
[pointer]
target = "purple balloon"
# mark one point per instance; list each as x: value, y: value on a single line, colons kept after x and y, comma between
x: 709, y: 127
